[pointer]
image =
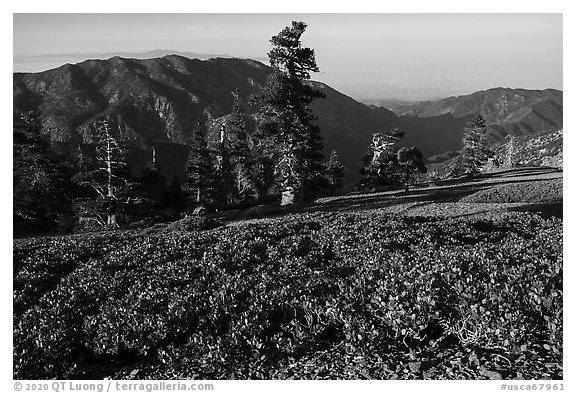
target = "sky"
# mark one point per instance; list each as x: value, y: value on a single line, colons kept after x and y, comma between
x: 366, y: 56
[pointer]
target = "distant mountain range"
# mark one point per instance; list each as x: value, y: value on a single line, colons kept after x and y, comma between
x: 507, y: 111
x: 129, y: 55
x: 38, y: 63
x: 155, y: 102
x: 389, y: 103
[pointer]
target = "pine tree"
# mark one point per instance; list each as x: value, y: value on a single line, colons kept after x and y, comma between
x: 223, y: 169
x: 111, y: 159
x: 77, y: 156
x: 262, y: 172
x: 334, y: 172
x: 108, y: 176
x: 42, y: 187
x: 411, y: 160
x: 291, y: 141
x: 511, y: 154
x: 199, y: 169
x: 241, y: 161
x: 152, y: 182
x: 236, y: 130
x: 475, y: 152
x: 380, y: 161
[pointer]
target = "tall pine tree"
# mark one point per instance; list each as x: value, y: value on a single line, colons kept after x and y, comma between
x: 291, y: 141
x: 42, y: 186
x: 241, y: 159
x: 223, y: 169
x: 334, y: 172
x: 199, y: 169
x: 152, y: 182
x: 476, y: 151
x: 511, y: 158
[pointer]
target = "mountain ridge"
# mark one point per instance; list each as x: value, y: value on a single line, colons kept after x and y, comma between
x: 155, y: 102
x: 515, y: 111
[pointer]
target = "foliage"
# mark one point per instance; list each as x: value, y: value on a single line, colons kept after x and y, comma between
x: 235, y: 159
x: 543, y: 191
x: 152, y: 184
x: 322, y: 295
x: 42, y: 189
x: 511, y: 151
x: 199, y: 169
x: 288, y: 137
x: 380, y: 161
x: 196, y: 222
x: 476, y: 151
x: 512, y: 158
x: 107, y: 175
x: 223, y: 171
x: 334, y: 173
x: 411, y: 160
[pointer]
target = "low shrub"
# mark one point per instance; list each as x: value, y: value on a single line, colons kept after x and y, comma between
x: 544, y: 191
x: 322, y: 295
x: 196, y: 222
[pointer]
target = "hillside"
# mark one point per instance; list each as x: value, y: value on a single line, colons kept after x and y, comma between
x: 544, y: 149
x: 507, y: 111
x: 462, y: 280
x: 154, y: 102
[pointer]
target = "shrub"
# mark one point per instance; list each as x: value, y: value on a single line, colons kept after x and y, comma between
x: 349, y: 295
x: 192, y: 223
x: 529, y: 192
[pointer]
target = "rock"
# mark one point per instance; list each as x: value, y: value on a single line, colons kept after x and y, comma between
x: 287, y: 197
x: 489, y: 374
x: 199, y: 211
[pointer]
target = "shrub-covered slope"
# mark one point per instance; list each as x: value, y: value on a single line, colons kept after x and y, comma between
x: 349, y: 295
x: 529, y: 192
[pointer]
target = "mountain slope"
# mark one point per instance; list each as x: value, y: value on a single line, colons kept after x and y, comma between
x: 543, y: 149
x: 155, y: 102
x: 507, y: 111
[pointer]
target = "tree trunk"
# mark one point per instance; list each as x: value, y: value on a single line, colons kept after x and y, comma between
x: 109, y: 164
x: 287, y: 197
x: 112, y: 220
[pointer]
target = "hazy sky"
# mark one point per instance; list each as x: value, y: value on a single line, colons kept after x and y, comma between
x: 404, y: 56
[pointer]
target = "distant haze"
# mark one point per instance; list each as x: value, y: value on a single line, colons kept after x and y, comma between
x: 366, y: 56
